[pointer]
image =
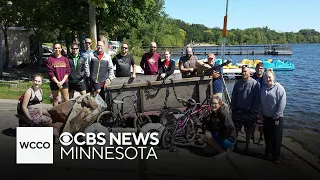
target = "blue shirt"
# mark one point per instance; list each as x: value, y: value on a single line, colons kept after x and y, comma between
x: 86, y: 53
x: 217, y: 84
x: 262, y: 81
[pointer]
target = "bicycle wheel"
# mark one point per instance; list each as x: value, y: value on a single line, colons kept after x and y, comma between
x: 166, y: 117
x: 190, y: 131
x: 141, y: 120
x: 106, y: 119
x: 167, y: 137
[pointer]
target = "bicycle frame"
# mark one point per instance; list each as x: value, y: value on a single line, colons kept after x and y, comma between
x: 122, y: 116
x: 187, y: 116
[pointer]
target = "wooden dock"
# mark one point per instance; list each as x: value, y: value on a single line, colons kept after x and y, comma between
x: 231, y: 50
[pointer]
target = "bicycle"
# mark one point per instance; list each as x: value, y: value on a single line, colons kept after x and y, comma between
x: 166, y: 117
x: 119, y: 119
x: 187, y: 124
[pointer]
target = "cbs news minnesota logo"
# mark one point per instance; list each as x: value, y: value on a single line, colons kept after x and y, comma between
x: 34, y: 145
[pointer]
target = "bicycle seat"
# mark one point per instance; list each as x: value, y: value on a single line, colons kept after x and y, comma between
x: 117, y: 102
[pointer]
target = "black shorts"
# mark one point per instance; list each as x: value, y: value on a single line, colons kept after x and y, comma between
x: 54, y: 86
x: 244, y: 118
x: 95, y: 86
x: 77, y: 87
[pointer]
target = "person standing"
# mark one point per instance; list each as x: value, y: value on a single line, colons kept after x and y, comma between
x: 187, y: 64
x: 85, y: 55
x: 259, y: 76
x: 150, y: 60
x: 217, y: 82
x: 58, y: 69
x: 99, y: 69
x: 123, y: 62
x: 77, y: 74
x: 273, y: 103
x: 167, y: 66
x: 245, y: 104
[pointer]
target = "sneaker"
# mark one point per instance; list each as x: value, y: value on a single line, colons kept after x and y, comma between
x: 220, y: 156
x: 276, y: 160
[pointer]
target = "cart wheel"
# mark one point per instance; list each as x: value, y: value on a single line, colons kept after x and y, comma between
x: 106, y: 119
x: 141, y: 120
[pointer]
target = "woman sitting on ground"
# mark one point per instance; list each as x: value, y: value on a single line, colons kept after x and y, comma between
x: 32, y: 107
x: 221, y: 133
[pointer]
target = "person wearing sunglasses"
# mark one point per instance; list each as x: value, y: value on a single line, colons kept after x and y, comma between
x: 85, y: 55
x: 77, y: 74
x: 245, y: 103
x: 123, y: 62
x: 150, y: 60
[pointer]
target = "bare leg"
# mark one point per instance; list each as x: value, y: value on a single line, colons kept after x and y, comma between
x: 55, y: 97
x: 261, y: 140
x: 65, y: 94
x: 71, y: 94
x: 210, y: 141
x: 248, y: 131
x: 83, y: 92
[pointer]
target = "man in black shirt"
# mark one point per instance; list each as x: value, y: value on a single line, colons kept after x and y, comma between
x: 123, y: 62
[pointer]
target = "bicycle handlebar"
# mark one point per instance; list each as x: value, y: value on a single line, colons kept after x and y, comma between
x: 132, y: 95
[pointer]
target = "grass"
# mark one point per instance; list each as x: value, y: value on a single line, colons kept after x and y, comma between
x: 51, y: 44
x: 7, y: 92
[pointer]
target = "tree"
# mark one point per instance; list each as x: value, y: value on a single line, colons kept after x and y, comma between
x: 8, y: 19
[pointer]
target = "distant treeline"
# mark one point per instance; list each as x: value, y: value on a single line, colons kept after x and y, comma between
x: 136, y: 21
x: 199, y: 33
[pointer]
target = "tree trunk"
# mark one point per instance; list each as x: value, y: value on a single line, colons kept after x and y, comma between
x: 6, y: 47
x: 80, y: 36
x: 92, y: 25
x: 67, y: 40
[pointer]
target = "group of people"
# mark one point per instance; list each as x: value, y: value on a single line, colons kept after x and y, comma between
x: 257, y: 100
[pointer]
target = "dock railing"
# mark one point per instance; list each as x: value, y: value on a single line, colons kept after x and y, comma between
x: 229, y: 50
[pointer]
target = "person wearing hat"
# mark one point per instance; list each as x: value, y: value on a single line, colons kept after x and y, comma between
x: 217, y: 83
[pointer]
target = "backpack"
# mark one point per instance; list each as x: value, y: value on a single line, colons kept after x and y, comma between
x: 20, y: 101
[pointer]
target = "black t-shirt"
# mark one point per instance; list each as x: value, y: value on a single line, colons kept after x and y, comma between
x: 123, y: 65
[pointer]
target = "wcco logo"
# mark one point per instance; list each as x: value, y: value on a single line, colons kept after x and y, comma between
x: 34, y: 145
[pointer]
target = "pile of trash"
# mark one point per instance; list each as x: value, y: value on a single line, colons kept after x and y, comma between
x: 78, y: 113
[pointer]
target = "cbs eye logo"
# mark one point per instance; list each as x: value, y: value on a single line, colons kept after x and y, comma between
x: 66, y: 139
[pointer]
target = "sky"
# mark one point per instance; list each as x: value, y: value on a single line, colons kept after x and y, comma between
x: 278, y: 15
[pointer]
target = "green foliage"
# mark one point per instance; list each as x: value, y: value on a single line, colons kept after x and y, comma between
x: 202, y: 34
x: 15, y: 92
x: 137, y: 21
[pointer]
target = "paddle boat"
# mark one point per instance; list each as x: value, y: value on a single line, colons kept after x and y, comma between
x: 276, y: 65
x: 279, y: 65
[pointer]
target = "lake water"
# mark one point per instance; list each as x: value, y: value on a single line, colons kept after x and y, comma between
x: 302, y: 85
